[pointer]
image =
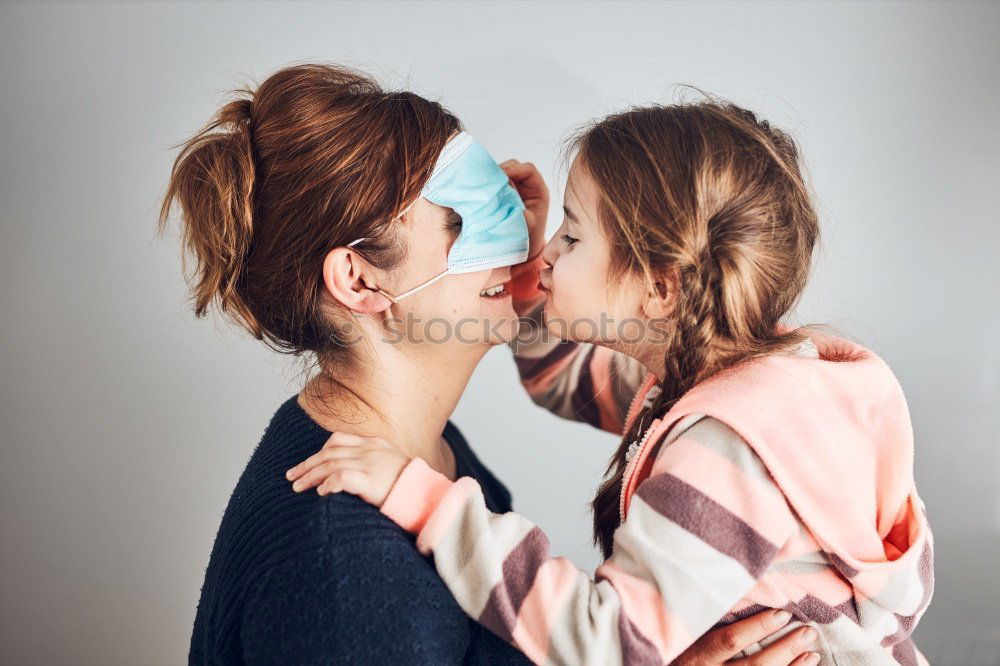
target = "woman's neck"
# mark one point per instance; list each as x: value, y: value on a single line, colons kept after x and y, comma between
x: 405, y: 398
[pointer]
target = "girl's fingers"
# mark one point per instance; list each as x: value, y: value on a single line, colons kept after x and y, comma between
x: 348, y: 480
x: 337, y: 440
x: 527, y: 179
x: 345, y: 439
x: 318, y: 474
x: 514, y: 167
x: 324, y: 454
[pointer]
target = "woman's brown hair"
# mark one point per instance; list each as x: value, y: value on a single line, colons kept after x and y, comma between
x: 317, y: 156
x: 715, y: 193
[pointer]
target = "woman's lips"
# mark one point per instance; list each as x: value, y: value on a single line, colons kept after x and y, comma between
x: 492, y: 293
x: 542, y: 287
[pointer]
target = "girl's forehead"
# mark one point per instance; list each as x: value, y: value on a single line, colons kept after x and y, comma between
x: 580, y: 197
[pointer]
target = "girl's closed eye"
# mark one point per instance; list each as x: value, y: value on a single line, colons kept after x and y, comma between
x: 454, y: 222
x: 569, y: 240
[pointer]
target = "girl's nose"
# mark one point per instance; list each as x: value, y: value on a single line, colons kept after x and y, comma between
x: 550, y: 252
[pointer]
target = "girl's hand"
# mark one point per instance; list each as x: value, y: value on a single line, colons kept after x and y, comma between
x: 531, y: 187
x: 363, y: 466
x: 719, y: 646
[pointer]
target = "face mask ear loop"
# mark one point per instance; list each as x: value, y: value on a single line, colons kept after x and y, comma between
x: 401, y: 214
x: 397, y: 299
x: 434, y: 279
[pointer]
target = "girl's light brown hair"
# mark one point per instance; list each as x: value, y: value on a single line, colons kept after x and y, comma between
x: 715, y: 193
x: 317, y: 156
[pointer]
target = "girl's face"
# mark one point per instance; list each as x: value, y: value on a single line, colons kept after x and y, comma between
x: 585, y: 303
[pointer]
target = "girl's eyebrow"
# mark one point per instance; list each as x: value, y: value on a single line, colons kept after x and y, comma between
x: 570, y: 215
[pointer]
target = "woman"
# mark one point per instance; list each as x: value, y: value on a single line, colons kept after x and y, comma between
x: 294, y: 209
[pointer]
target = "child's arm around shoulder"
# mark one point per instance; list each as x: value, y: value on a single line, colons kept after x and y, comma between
x: 692, y: 545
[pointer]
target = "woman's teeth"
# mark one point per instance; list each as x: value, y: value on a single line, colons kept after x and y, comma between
x: 492, y: 291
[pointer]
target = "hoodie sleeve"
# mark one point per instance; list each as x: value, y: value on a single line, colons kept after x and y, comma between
x: 700, y: 531
x: 580, y: 382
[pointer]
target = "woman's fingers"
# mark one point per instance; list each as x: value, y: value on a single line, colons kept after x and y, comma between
x: 789, y: 649
x: 807, y: 659
x: 756, y: 628
x: 720, y: 645
x: 753, y: 629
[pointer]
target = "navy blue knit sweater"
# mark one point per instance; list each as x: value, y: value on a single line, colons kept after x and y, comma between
x: 303, y: 579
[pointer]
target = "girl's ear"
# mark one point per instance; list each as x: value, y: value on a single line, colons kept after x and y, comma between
x: 660, y: 301
x: 344, y: 275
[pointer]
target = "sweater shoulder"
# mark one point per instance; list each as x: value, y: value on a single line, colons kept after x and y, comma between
x: 360, y: 593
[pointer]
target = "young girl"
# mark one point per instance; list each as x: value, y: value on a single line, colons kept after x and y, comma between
x: 762, y: 466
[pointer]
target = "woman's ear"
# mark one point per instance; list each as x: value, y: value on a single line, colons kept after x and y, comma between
x: 344, y: 276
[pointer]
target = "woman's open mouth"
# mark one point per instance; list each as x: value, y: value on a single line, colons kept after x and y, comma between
x: 496, y: 291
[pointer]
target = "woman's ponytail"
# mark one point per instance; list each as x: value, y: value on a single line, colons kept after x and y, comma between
x: 212, y: 180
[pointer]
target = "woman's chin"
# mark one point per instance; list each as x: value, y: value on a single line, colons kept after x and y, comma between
x: 503, y: 330
x: 497, y: 309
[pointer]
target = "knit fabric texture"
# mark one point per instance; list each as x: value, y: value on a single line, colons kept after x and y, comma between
x: 295, y: 578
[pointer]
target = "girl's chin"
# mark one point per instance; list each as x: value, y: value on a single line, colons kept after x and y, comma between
x: 570, y: 329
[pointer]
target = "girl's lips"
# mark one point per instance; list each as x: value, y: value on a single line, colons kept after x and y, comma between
x: 542, y: 276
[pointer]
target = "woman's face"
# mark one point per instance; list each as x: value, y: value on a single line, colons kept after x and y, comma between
x: 585, y: 303
x: 454, y: 311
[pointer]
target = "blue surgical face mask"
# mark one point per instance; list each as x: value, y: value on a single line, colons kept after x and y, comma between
x: 494, y: 233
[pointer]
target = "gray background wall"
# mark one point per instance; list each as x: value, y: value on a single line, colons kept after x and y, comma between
x: 125, y: 422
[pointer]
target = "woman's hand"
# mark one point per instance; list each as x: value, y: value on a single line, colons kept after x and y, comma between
x: 363, y: 466
x: 531, y: 187
x: 721, y: 645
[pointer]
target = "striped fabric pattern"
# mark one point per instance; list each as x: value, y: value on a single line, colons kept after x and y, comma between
x: 709, y: 537
x: 577, y: 381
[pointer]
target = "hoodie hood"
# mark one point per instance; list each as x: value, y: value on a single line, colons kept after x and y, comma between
x: 833, y: 429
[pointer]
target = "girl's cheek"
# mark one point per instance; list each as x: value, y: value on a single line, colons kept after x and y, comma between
x: 562, y: 277
x: 561, y: 296
x: 570, y: 286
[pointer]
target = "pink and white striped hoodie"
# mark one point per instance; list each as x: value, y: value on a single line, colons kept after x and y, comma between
x: 783, y: 482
